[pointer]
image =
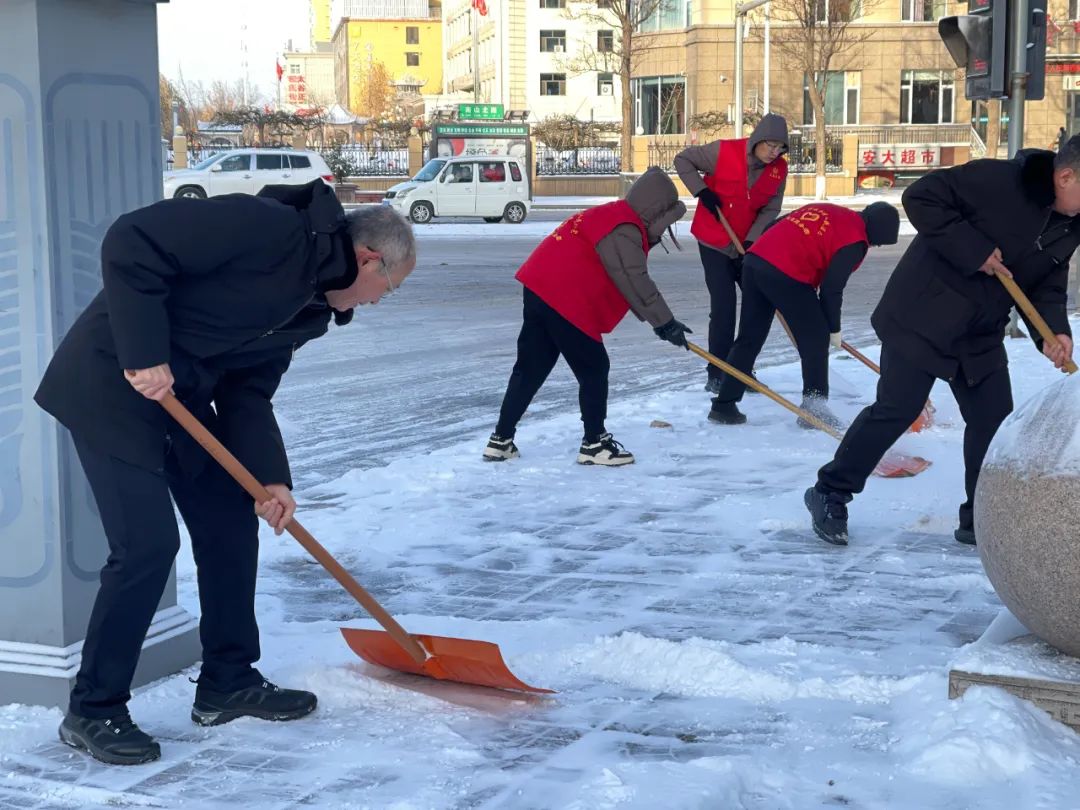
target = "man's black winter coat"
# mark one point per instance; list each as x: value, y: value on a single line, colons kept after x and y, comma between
x: 939, y: 310
x: 224, y: 290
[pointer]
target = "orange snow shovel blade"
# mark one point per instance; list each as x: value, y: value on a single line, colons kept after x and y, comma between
x: 452, y: 659
x: 447, y: 659
x: 926, y: 416
x: 892, y: 465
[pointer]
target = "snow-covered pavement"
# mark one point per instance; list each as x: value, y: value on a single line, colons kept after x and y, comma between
x: 707, y: 650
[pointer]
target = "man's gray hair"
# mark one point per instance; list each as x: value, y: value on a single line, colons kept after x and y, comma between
x: 385, y: 231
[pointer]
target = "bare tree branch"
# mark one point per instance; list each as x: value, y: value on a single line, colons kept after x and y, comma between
x: 817, y: 37
x: 624, y: 19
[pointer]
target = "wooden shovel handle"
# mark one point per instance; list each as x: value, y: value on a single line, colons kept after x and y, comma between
x: 736, y: 241
x: 746, y: 379
x: 1033, y: 315
x: 257, y: 491
x: 847, y: 347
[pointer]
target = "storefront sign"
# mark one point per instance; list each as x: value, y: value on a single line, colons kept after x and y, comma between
x: 1071, y: 82
x: 899, y: 156
x: 481, y: 130
x: 296, y: 92
x: 480, y: 112
x: 1062, y: 68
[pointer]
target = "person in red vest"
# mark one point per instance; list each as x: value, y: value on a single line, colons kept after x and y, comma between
x: 800, y: 267
x: 744, y: 178
x: 578, y: 284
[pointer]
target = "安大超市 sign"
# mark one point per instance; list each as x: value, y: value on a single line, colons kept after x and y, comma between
x: 899, y: 156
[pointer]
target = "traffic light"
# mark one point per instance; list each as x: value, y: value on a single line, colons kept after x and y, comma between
x: 981, y: 43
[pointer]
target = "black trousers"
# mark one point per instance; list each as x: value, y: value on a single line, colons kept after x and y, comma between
x: 545, y: 334
x: 765, y: 290
x: 722, y: 280
x: 140, y: 525
x: 901, y: 393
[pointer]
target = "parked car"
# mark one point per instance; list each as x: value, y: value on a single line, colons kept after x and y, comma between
x: 246, y: 171
x: 495, y: 187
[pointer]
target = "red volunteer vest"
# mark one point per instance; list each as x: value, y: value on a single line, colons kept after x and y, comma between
x: 741, y: 205
x: 565, y: 270
x: 802, y: 244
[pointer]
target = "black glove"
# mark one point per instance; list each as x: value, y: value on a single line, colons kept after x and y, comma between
x: 674, y: 332
x: 746, y: 245
x: 711, y: 201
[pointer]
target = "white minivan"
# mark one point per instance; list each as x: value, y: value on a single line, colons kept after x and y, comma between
x: 494, y: 187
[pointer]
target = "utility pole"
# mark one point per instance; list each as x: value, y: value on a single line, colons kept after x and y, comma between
x: 475, y: 19
x: 1019, y: 13
x: 741, y: 10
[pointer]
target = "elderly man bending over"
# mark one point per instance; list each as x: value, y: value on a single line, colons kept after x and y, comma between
x: 207, y: 298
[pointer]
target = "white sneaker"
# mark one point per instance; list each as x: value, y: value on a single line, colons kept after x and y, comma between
x: 605, y: 450
x: 500, y: 449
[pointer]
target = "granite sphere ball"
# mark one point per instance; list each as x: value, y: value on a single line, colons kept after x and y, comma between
x: 1027, y: 514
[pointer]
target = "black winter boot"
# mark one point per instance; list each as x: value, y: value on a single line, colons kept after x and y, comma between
x: 116, y: 741
x: 265, y: 701
x: 819, y: 407
x: 726, y: 413
x: 965, y: 535
x: 829, y: 514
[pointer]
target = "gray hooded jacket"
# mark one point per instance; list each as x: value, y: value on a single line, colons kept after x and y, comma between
x: 655, y: 199
x: 696, y: 161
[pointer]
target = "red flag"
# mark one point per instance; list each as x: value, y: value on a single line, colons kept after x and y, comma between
x: 480, y: 6
x: 280, y: 69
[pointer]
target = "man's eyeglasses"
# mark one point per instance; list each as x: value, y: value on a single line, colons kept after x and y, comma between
x: 386, y: 273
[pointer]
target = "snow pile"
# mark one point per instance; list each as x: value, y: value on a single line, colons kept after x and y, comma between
x: 1042, y: 436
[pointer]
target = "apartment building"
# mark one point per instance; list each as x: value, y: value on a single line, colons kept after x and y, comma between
x: 544, y: 56
x: 405, y: 36
x: 896, y: 77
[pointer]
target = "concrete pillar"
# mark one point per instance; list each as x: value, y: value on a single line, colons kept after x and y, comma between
x: 850, y: 157
x: 180, y: 155
x: 80, y: 144
x: 416, y: 154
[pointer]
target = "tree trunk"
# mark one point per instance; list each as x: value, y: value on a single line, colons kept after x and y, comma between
x: 626, y: 143
x: 817, y: 101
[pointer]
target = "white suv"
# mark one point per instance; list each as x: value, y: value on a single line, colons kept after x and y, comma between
x: 246, y: 171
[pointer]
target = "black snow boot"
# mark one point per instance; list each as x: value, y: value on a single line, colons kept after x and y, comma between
x: 116, y: 741
x: 828, y: 510
x: 265, y: 701
x: 726, y: 413
x: 965, y: 535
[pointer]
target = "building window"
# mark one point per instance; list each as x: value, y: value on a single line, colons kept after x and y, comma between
x: 926, y: 97
x: 412, y: 59
x: 412, y: 35
x: 552, y: 41
x: 553, y: 84
x: 294, y: 70
x: 844, y: 10
x: 605, y: 41
x: 924, y: 10
x: 552, y: 3
x: 605, y: 84
x: 1074, y: 9
x: 669, y: 15
x: 841, y: 99
x: 660, y: 105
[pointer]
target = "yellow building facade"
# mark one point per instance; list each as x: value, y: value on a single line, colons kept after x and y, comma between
x: 410, y: 49
x: 321, y: 27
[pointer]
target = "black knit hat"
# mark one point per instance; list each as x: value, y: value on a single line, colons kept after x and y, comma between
x: 882, y: 223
